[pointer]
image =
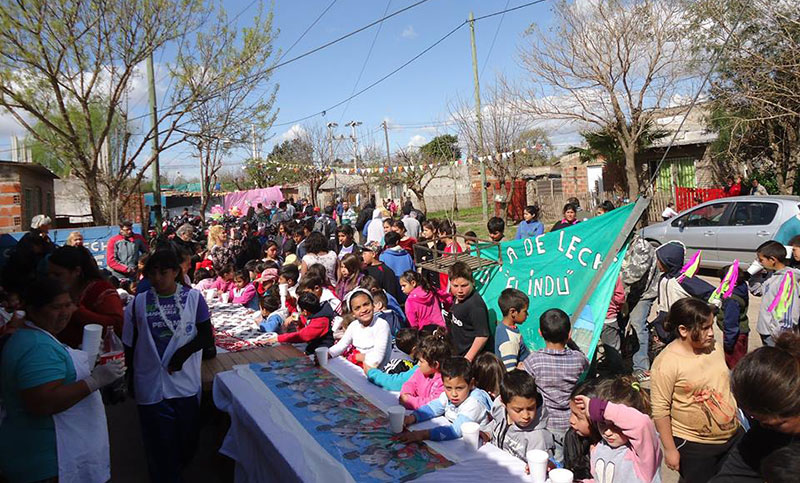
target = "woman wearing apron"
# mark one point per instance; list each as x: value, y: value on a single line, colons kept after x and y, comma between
x: 165, y: 331
x: 54, y: 424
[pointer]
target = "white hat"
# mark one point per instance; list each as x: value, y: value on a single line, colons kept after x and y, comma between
x: 39, y: 221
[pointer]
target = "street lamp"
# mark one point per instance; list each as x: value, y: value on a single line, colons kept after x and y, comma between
x: 353, y: 125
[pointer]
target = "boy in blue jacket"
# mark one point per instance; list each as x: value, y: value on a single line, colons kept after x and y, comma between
x: 394, y: 256
x: 461, y: 402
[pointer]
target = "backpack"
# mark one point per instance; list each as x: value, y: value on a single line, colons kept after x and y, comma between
x: 326, y: 226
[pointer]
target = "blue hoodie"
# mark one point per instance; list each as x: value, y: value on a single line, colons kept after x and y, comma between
x: 529, y: 229
x: 398, y: 260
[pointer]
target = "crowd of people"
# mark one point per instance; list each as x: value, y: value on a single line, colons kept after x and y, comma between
x: 349, y: 280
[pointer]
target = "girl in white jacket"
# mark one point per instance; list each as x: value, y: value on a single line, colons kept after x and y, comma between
x: 367, y: 342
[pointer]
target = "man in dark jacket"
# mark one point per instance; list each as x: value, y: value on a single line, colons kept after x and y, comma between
x: 124, y: 250
x: 364, y: 216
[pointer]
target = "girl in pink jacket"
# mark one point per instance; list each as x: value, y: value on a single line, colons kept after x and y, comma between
x: 629, y: 451
x: 423, y: 304
x: 243, y: 292
x: 425, y: 384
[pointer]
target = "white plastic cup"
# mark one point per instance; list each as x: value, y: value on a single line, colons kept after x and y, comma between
x: 470, y: 431
x: 560, y: 475
x: 321, y: 353
x: 537, y: 464
x: 92, y: 334
x: 212, y: 292
x: 225, y: 297
x: 396, y: 416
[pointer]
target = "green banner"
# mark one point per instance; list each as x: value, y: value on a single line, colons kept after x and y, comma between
x: 555, y: 270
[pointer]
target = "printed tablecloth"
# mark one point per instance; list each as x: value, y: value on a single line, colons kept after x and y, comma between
x: 353, y: 431
x: 235, y: 327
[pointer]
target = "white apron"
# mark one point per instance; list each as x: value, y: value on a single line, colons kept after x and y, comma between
x: 81, y: 431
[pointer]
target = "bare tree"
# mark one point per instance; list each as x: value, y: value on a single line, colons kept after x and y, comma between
x: 505, y: 129
x: 234, y: 111
x: 756, y: 84
x: 313, y: 159
x: 69, y: 65
x: 607, y: 64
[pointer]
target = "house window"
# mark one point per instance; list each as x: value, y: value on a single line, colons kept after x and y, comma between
x: 677, y: 172
x: 27, y: 204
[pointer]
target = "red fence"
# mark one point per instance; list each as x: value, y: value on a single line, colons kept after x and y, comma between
x: 686, y: 198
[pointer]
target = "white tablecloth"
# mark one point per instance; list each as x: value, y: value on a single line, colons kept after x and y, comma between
x: 269, y: 444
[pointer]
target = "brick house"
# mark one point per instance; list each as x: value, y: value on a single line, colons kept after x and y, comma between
x: 26, y: 190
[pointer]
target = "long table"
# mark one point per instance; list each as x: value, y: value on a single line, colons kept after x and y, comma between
x: 269, y: 442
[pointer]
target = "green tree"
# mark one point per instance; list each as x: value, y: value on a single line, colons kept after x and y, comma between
x: 69, y: 65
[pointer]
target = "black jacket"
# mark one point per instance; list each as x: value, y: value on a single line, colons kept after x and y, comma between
x: 743, y: 463
x: 363, y: 217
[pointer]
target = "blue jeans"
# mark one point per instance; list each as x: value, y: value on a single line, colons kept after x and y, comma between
x: 638, y: 320
x: 170, y: 430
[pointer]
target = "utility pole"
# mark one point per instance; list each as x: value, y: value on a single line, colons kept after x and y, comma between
x: 255, y: 150
x: 331, y: 126
x: 151, y: 84
x: 484, y: 202
x: 386, y: 135
x: 353, y: 125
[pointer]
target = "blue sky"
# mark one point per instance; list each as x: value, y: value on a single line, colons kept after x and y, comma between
x: 413, y: 100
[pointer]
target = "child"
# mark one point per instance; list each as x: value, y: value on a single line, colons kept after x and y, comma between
x: 496, y: 227
x: 693, y: 407
x: 611, y: 334
x: 367, y: 342
x: 733, y: 321
x: 468, y: 319
x: 344, y: 237
x: 423, y: 254
x: 581, y: 435
x: 508, y: 343
x: 316, y: 321
x: 313, y: 283
x: 406, y: 242
x: 530, y: 226
x: 165, y: 332
x: 349, y: 275
x: 288, y: 275
x: 628, y: 450
x: 266, y: 279
x: 460, y: 402
x: 422, y: 304
x: 299, y: 237
x: 772, y: 319
x: 272, y: 314
x: 243, y: 292
x: 380, y: 272
x: 372, y: 286
x: 224, y: 282
x: 518, y: 417
x: 447, y: 231
x: 669, y: 211
x: 394, y: 256
x: 488, y: 372
x: 271, y: 253
x: 406, y: 341
x: 425, y: 384
x: 382, y: 310
x: 557, y: 370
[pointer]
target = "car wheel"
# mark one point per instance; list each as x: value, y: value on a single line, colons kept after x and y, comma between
x: 654, y: 243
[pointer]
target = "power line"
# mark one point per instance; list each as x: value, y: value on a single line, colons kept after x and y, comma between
x: 494, y: 39
x: 308, y: 29
x: 364, y: 65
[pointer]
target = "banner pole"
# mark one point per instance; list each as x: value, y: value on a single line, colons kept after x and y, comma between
x: 641, y: 205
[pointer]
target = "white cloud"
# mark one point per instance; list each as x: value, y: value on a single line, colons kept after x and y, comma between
x: 293, y: 132
x: 409, y: 33
x: 416, y: 141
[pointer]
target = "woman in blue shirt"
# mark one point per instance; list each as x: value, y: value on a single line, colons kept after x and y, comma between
x: 530, y: 226
x: 55, y: 423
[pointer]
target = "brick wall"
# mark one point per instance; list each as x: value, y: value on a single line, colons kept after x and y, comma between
x: 574, y: 178
x: 10, y: 201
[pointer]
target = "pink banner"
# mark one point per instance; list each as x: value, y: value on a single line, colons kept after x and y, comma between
x: 245, y: 199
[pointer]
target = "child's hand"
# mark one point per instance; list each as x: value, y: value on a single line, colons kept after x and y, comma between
x: 673, y: 459
x: 411, y: 436
x: 485, y: 437
x: 582, y: 403
x: 402, y: 399
x: 409, y: 420
x: 272, y: 339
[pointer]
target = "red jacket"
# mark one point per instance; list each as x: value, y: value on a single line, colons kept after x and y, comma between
x: 99, y: 304
x: 317, y: 330
x: 123, y: 253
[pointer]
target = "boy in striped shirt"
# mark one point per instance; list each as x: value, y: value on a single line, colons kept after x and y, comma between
x: 508, y: 343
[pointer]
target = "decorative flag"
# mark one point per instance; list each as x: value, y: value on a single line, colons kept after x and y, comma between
x: 727, y: 284
x: 782, y: 303
x: 690, y: 268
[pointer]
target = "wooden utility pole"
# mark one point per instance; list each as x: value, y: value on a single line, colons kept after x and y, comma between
x: 151, y: 86
x: 386, y: 135
x: 484, y: 202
